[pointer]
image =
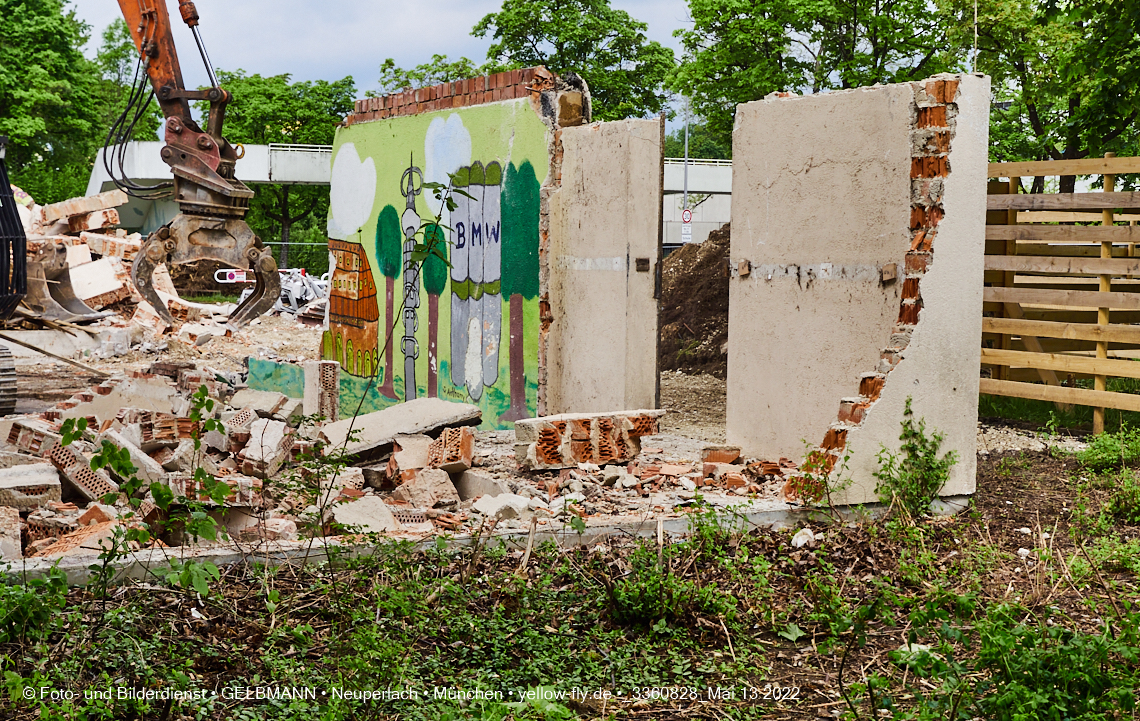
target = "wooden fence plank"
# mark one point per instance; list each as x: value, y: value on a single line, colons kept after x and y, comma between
x: 1059, y: 362
x: 1085, y: 166
x: 1065, y: 298
x: 1063, y: 201
x: 1065, y: 233
x: 996, y: 247
x: 1060, y: 216
x: 1053, y: 264
x: 1061, y: 394
x: 1067, y: 331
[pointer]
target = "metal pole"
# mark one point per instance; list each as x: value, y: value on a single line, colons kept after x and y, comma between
x: 685, y: 197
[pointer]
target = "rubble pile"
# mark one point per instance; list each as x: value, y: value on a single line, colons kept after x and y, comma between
x: 416, y: 468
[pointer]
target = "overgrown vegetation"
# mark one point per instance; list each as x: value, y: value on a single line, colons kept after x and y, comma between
x: 907, y: 618
x: 913, y: 477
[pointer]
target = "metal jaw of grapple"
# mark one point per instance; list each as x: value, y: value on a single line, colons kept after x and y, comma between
x: 190, y: 238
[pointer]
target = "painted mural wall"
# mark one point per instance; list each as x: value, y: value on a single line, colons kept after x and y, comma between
x: 468, y: 332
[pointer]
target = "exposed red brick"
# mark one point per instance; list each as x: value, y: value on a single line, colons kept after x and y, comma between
x: 910, y: 288
x: 852, y: 412
x: 917, y: 262
x: 835, y: 438
x: 871, y: 386
x: 932, y: 117
x: 908, y: 313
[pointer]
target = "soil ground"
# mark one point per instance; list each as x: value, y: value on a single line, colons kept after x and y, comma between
x: 694, y: 307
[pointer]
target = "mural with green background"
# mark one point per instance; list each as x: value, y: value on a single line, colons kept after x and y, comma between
x: 471, y: 328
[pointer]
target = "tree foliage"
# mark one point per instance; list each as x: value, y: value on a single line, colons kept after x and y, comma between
x: 741, y: 50
x: 275, y: 109
x: 1066, y: 76
x: 702, y: 144
x: 438, y: 70
x: 605, y: 46
x: 49, y: 98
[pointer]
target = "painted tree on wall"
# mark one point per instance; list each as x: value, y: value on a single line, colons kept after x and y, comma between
x: 435, y: 281
x: 389, y: 249
x: 520, y: 270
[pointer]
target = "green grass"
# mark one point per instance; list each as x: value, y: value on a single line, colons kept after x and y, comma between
x: 213, y: 298
x: 1044, y: 412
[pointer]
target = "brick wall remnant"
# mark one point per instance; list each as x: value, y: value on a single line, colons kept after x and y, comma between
x: 934, y: 114
x: 564, y: 441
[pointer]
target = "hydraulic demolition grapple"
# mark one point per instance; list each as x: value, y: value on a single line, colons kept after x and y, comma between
x: 213, y: 203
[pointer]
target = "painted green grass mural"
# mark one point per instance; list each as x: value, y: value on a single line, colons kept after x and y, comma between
x: 464, y: 330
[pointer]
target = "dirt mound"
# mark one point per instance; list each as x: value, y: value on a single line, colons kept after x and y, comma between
x: 198, y: 279
x: 694, y: 307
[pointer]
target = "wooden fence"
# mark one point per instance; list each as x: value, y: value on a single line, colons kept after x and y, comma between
x: 1062, y: 287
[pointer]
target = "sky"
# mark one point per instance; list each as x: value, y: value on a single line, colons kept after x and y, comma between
x: 329, y: 39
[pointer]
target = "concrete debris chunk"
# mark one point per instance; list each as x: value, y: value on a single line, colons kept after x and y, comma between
x: 10, y: 547
x: 83, y: 205
x: 473, y: 484
x: 427, y: 488
x: 146, y: 468
x: 369, y: 514
x: 505, y: 506
x: 271, y: 529
x: 290, y: 413
x: 565, y: 441
x: 11, y: 460
x: 95, y: 220
x: 264, y: 403
x: 26, y: 488
x: 322, y: 389
x: 101, y: 282
x: 34, y: 436
x: 377, y: 430
x: 113, y: 246
x: 453, y: 451
x: 409, y: 454
x: 268, y: 448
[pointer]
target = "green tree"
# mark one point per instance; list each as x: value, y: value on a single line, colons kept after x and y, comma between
x: 702, y: 144
x: 520, y: 211
x: 740, y: 50
x: 435, y: 273
x: 277, y: 110
x: 606, y: 47
x: 438, y: 70
x: 389, y: 251
x: 1067, y: 76
x: 117, y: 60
x: 49, y: 101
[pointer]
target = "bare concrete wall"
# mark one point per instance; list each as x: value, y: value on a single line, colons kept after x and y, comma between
x: 827, y: 197
x: 604, y: 218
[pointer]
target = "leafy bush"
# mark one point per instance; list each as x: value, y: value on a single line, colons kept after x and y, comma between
x: 651, y: 592
x: 1124, y: 505
x: 30, y: 611
x: 1112, y: 450
x: 913, y: 477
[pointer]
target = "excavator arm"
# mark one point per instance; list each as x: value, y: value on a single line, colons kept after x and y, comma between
x: 213, y: 203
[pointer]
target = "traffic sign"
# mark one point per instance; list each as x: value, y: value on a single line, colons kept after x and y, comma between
x: 686, y: 216
x: 687, y: 233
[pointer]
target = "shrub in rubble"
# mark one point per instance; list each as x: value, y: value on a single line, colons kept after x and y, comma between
x: 912, y: 478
